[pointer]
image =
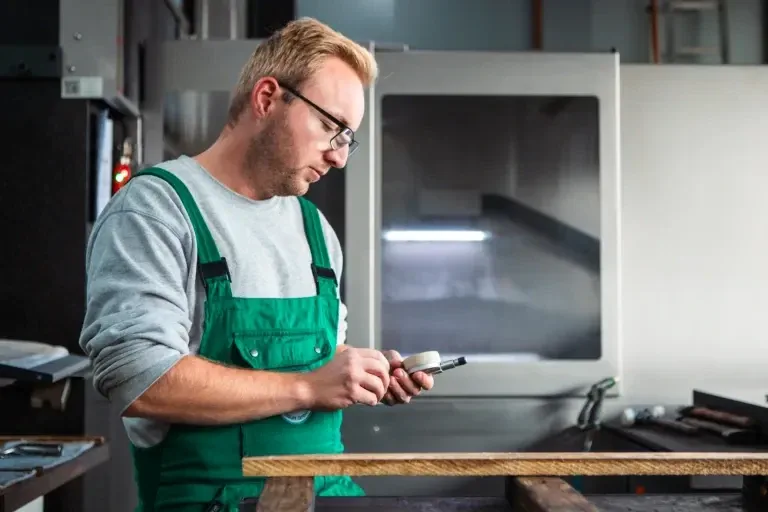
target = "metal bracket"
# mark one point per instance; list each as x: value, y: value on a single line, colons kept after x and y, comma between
x: 30, y: 61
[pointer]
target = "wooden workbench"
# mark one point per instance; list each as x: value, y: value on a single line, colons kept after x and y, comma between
x: 532, y: 481
x: 34, y: 482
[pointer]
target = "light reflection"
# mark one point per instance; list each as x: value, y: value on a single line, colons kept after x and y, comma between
x: 435, y: 236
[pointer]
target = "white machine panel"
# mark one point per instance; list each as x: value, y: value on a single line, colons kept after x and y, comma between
x: 483, y: 218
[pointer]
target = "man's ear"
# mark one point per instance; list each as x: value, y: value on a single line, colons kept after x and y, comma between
x: 264, y: 96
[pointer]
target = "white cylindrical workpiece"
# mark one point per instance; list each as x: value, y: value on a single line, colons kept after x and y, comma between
x: 422, y: 362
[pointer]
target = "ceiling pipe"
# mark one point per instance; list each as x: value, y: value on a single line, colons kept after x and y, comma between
x: 537, y: 24
x: 765, y: 31
x: 654, y: 11
x: 233, y: 17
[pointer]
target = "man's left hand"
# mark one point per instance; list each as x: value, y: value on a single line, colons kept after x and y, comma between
x: 403, y: 386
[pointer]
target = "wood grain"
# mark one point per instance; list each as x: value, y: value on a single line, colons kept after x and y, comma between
x: 509, y: 464
x: 287, y: 495
x: 546, y: 494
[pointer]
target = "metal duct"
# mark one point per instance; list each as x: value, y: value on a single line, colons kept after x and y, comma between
x: 194, y: 119
x: 220, y: 19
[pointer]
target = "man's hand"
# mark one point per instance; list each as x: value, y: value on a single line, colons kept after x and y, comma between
x: 354, y: 376
x: 403, y: 386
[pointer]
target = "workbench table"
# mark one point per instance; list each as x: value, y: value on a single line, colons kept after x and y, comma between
x: 532, y: 481
x: 23, y: 480
x: 699, y: 503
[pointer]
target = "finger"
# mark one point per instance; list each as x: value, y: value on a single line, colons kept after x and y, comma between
x: 424, y: 380
x: 398, y: 393
x: 406, y: 383
x: 362, y: 396
x: 373, y: 384
x: 394, y: 358
x: 370, y: 353
x: 375, y: 367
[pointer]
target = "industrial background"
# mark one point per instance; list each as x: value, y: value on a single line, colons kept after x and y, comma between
x: 678, y: 305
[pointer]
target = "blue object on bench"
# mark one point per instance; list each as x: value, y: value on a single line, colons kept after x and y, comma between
x: 8, y: 478
x: 70, y: 450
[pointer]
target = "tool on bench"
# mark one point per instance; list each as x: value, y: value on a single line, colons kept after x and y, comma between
x: 589, y: 420
x: 32, y: 450
x: 655, y: 416
x: 705, y: 413
x: 430, y: 363
x: 589, y: 417
x: 732, y: 435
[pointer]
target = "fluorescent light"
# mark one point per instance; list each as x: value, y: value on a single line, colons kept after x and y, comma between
x: 435, y: 236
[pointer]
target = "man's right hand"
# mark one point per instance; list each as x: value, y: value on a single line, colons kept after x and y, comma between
x: 354, y: 376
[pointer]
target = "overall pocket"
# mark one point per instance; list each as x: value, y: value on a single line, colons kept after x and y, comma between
x: 285, y: 351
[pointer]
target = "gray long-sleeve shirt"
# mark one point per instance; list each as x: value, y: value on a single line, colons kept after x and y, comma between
x: 145, y: 303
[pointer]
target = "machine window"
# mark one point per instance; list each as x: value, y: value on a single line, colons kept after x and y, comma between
x: 491, y: 226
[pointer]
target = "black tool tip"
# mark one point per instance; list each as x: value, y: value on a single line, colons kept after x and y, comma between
x: 460, y: 361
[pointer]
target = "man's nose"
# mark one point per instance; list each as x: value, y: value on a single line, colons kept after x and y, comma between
x: 337, y: 157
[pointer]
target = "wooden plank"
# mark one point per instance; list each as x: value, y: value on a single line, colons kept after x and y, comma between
x: 545, y: 494
x: 509, y: 464
x: 287, y: 495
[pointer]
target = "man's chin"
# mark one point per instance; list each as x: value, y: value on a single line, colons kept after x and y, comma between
x: 297, y: 188
x: 302, y: 187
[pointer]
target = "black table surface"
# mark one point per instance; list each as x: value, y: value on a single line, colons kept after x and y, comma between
x: 668, y: 503
x: 659, y: 439
x: 603, y: 503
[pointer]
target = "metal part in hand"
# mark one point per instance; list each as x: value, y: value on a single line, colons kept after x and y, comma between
x: 446, y: 365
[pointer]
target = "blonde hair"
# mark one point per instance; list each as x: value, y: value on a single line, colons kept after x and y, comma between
x: 294, y: 53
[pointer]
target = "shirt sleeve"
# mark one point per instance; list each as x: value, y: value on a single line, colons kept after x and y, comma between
x: 137, y: 319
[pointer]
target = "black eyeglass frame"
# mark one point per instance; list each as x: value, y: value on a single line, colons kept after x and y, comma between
x: 343, y: 128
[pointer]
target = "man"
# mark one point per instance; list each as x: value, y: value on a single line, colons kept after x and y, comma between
x: 213, y: 317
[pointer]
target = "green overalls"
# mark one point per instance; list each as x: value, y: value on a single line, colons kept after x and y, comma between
x: 196, y: 467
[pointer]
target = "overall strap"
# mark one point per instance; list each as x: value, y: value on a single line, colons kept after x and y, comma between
x: 211, y: 266
x: 325, y: 277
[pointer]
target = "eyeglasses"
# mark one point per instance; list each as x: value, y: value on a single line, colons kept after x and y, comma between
x: 345, y: 136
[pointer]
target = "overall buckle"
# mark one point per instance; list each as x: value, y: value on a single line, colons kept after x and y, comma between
x: 214, y: 269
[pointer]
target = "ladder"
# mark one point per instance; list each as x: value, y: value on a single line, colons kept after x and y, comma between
x: 673, y: 11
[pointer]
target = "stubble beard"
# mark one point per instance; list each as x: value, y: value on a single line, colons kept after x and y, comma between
x: 268, y: 161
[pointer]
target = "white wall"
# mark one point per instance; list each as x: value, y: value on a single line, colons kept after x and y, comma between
x: 695, y: 228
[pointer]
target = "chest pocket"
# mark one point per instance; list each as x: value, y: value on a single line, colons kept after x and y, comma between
x: 283, y: 350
